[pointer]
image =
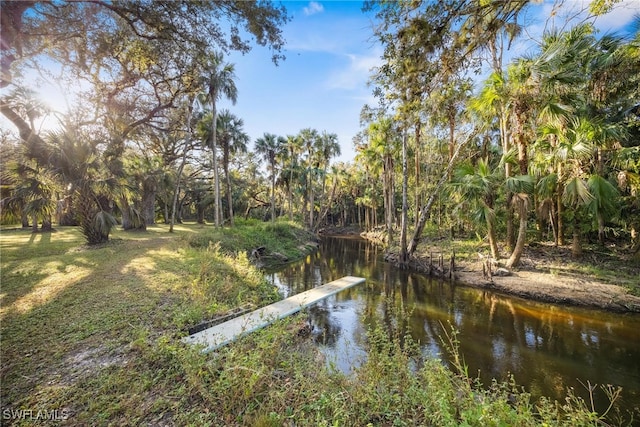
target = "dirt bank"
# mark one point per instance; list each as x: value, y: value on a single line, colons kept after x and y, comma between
x: 555, y: 288
x: 547, y: 274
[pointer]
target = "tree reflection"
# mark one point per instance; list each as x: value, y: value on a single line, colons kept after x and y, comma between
x: 547, y: 348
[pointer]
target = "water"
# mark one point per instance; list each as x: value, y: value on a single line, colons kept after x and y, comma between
x: 547, y: 348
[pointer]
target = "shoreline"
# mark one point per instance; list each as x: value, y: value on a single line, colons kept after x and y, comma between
x: 527, y: 282
x: 556, y: 289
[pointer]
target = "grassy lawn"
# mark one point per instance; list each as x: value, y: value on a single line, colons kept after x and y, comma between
x: 94, y: 333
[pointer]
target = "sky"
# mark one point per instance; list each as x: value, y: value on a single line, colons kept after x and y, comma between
x: 322, y: 83
x: 330, y: 51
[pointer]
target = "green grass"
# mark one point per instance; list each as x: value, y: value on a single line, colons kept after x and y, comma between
x: 94, y: 332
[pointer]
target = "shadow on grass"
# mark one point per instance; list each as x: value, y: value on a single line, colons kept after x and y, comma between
x: 103, y: 300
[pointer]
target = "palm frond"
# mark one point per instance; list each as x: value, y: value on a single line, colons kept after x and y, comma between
x: 104, y: 222
x: 604, y: 195
x: 520, y: 184
x: 546, y: 186
x: 576, y: 192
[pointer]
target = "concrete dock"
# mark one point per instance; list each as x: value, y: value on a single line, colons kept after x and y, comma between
x: 226, y: 332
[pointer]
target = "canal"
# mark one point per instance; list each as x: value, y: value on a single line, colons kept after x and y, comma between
x: 547, y: 348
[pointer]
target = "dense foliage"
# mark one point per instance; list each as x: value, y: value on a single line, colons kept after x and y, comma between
x: 549, y: 140
x: 548, y: 143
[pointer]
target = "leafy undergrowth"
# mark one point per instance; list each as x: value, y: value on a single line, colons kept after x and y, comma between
x: 287, y: 239
x: 94, y: 333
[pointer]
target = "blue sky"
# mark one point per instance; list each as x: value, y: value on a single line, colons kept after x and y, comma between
x: 322, y: 84
x: 330, y: 51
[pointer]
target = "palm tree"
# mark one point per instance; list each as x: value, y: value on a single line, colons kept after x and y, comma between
x: 575, y: 69
x: 329, y: 147
x: 627, y: 161
x: 520, y: 186
x: 293, y: 150
x: 76, y: 161
x: 232, y: 139
x: 26, y: 103
x: 270, y: 146
x: 338, y: 178
x: 479, y: 184
x: 383, y: 140
x: 187, y: 145
x: 493, y: 102
x: 310, y: 142
x: 218, y: 81
x: 32, y: 190
x: 368, y: 177
x: 576, y: 194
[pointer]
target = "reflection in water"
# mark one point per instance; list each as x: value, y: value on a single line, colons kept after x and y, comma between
x: 547, y: 348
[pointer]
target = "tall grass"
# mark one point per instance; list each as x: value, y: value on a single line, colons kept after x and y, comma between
x: 94, y: 332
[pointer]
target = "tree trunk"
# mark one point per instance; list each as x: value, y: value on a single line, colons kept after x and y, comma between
x: 216, y: 177
x: 187, y: 146
x: 600, y: 228
x: 127, y: 222
x: 374, y: 214
x: 34, y: 227
x: 389, y: 205
x: 325, y: 211
x: 177, y: 191
x: 305, y: 198
x: 131, y: 218
x: 180, y: 210
x: 46, y: 223
x: 273, y: 193
x: 426, y: 209
x: 311, y: 205
x: 24, y: 130
x: 491, y: 233
x: 87, y: 211
x: 404, y: 258
x: 24, y: 219
x: 452, y: 140
x: 225, y: 164
x: 165, y: 212
x: 149, y: 190
x: 559, y: 207
x: 290, y: 194
x: 576, y: 244
x: 506, y: 146
x: 417, y: 170
x: 520, y: 110
x: 514, y: 259
x: 200, y: 213
x: 540, y: 221
x: 553, y: 218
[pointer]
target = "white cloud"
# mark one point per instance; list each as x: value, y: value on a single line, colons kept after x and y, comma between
x: 313, y: 43
x: 357, y: 72
x: 621, y: 16
x: 313, y: 8
x: 564, y: 15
